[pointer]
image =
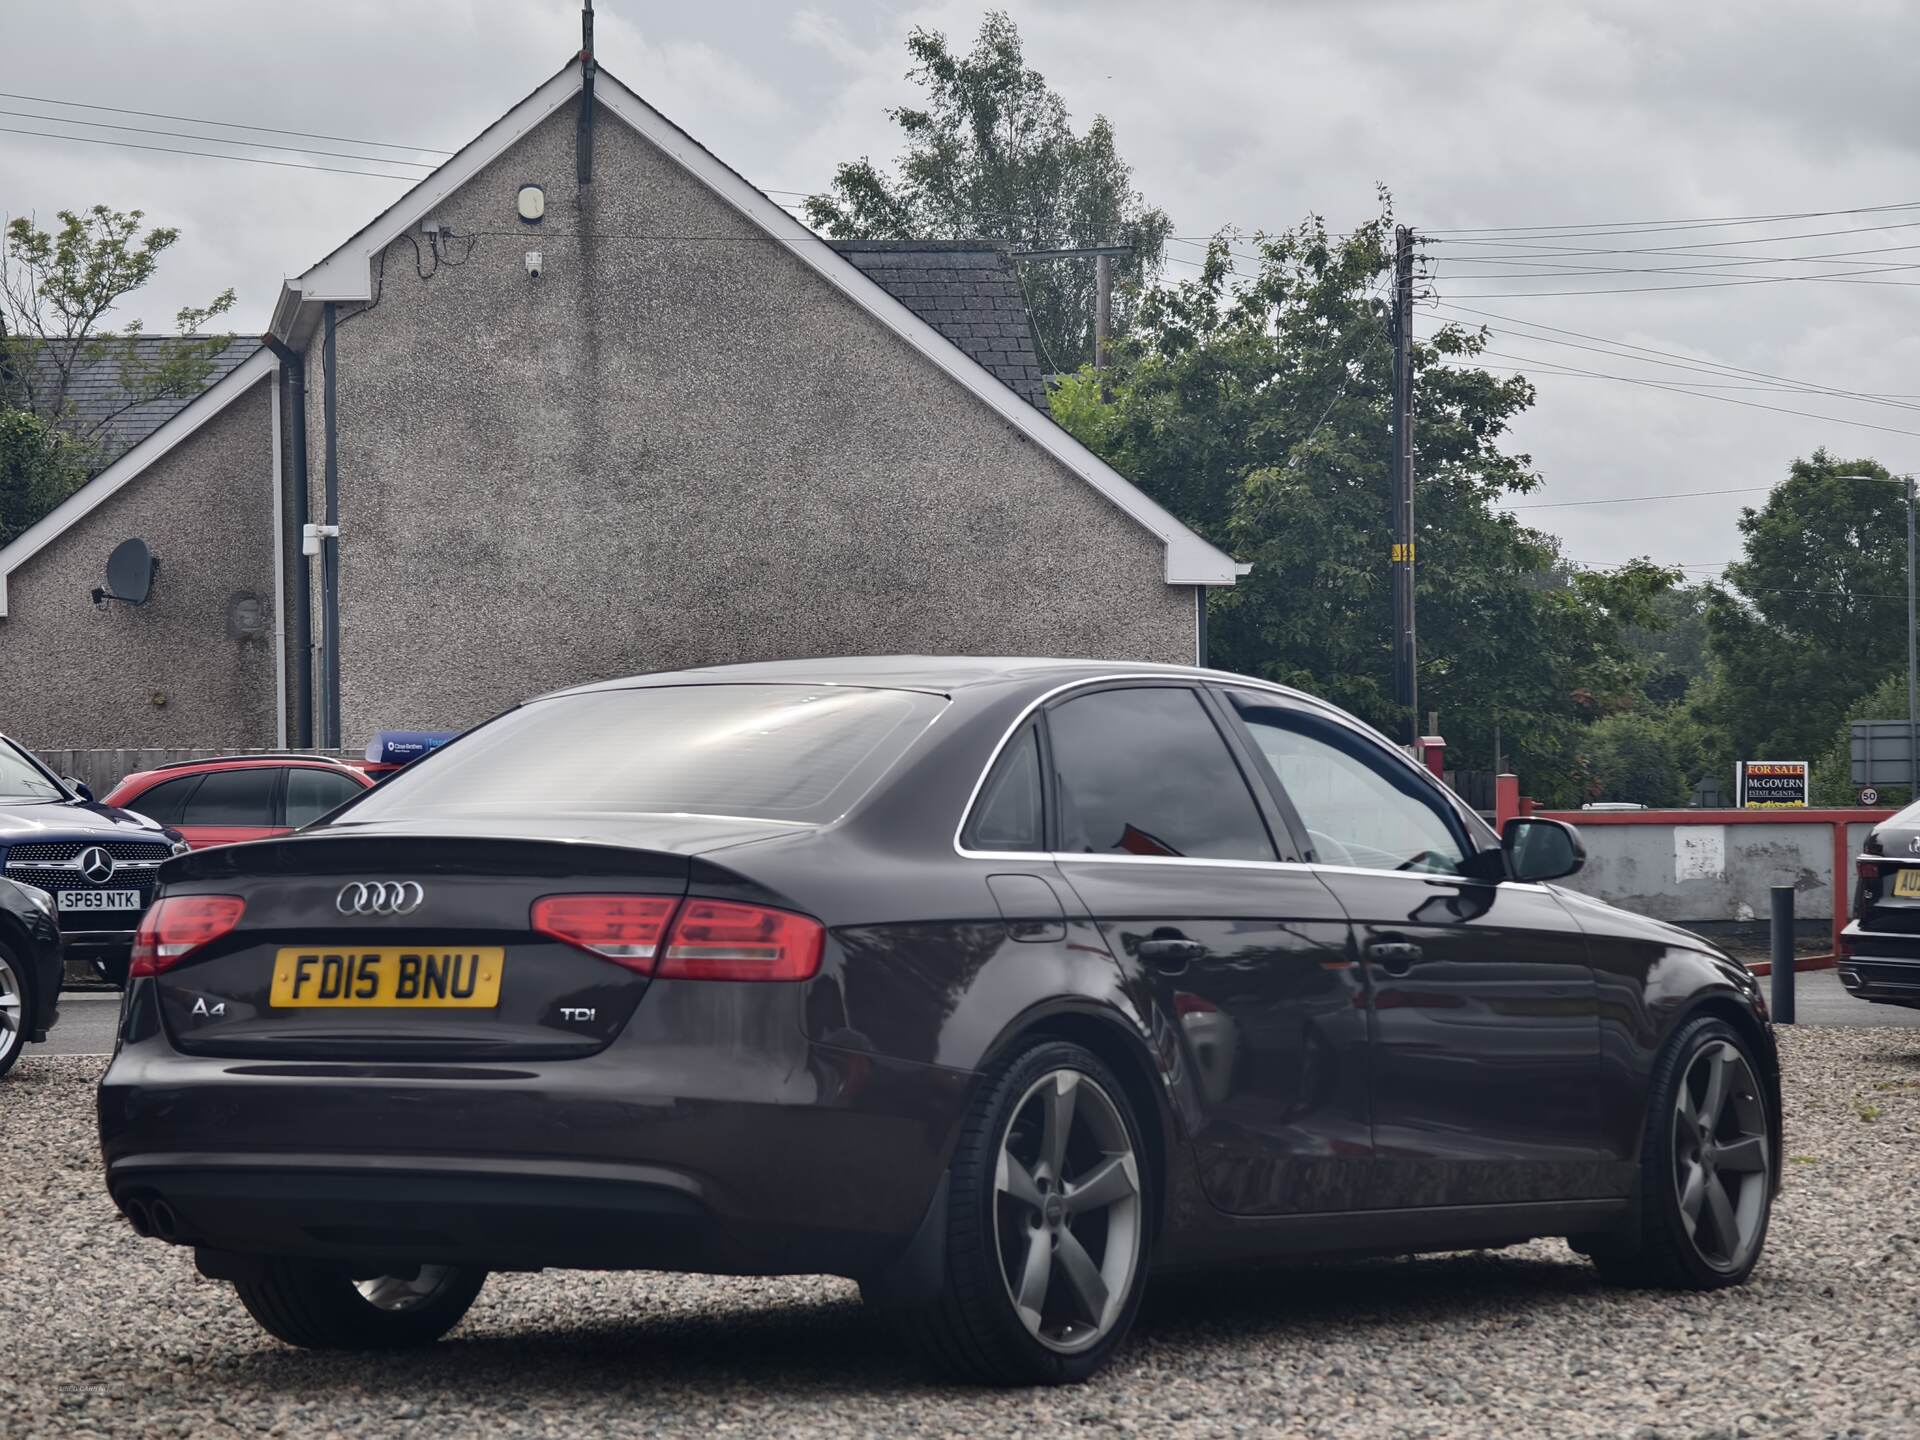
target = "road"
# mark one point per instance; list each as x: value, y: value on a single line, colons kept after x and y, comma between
x: 88, y: 1018
x: 107, y: 1334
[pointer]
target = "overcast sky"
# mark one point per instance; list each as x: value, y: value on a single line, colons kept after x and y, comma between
x: 1476, y: 113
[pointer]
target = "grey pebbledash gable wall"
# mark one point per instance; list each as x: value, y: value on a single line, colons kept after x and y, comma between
x: 679, y: 446
x: 76, y: 676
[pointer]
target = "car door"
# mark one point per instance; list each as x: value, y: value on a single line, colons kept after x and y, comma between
x: 1243, y: 957
x: 230, y: 806
x: 1485, y: 1068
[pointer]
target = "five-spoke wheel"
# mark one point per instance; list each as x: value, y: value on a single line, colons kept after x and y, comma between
x: 1068, y: 1210
x: 1707, y: 1168
x: 14, y: 1010
x: 1049, y: 1219
x: 1721, y: 1155
x: 322, y: 1306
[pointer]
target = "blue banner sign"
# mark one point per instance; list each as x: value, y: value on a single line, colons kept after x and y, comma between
x: 397, y: 747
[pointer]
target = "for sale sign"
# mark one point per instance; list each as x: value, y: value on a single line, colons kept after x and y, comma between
x: 1773, y: 784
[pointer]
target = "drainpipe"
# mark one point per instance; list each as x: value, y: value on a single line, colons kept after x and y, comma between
x: 330, y: 545
x: 583, y: 124
x: 293, y: 368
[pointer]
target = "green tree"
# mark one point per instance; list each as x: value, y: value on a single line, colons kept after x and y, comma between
x: 1255, y: 407
x: 1632, y: 759
x: 1813, y: 614
x: 991, y: 154
x: 1833, y: 762
x: 58, y: 289
x: 1675, y: 650
x: 39, y: 467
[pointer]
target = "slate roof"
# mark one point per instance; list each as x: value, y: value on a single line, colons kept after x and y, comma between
x: 96, y: 393
x: 970, y: 292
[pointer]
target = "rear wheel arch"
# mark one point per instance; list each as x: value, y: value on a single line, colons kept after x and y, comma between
x: 1126, y: 1053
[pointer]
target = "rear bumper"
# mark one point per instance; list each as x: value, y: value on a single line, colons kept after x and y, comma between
x: 691, y: 1152
x: 493, y: 1216
x: 1882, y: 979
x: 102, y: 953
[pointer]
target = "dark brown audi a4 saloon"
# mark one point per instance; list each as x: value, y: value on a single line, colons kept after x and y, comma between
x: 995, y: 985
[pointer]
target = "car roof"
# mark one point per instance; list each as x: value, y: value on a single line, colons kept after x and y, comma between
x: 945, y: 675
x: 173, y: 769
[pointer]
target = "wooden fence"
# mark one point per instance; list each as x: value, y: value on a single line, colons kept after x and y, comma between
x: 104, y: 769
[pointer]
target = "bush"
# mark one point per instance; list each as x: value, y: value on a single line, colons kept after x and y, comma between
x: 1632, y: 758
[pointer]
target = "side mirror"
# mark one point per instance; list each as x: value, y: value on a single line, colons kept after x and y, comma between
x: 79, y: 787
x: 1538, y: 849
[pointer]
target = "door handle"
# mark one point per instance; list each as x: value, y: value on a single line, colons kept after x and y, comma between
x: 1396, y: 957
x: 1171, y: 955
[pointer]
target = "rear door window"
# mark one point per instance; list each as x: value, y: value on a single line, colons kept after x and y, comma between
x: 233, y: 797
x: 163, y: 802
x: 311, y: 793
x: 1146, y: 772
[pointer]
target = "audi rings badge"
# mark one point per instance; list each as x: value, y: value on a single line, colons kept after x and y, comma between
x: 380, y: 897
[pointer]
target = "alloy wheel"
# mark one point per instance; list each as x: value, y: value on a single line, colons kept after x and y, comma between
x: 13, y: 1011
x: 1721, y: 1156
x: 402, y: 1292
x: 1067, y: 1211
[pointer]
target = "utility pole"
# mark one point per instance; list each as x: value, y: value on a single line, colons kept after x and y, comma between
x: 1913, y: 666
x: 1102, y: 308
x: 1103, y: 257
x: 1406, y: 676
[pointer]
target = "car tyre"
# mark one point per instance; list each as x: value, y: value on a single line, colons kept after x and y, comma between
x: 1048, y: 1225
x: 1707, y: 1169
x: 318, y: 1305
x: 17, y: 1007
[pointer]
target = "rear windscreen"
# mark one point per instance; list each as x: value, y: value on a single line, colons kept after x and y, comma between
x: 779, y: 752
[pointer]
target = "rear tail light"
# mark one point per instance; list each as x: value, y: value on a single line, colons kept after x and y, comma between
x: 176, y: 926
x: 626, y: 929
x: 718, y: 940
x: 707, y: 940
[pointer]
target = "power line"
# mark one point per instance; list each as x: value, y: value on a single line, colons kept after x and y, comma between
x: 1678, y: 248
x: 1682, y: 362
x: 211, y: 139
x: 1562, y: 367
x: 1636, y: 226
x: 223, y: 124
x: 1699, y: 285
x: 1632, y: 499
x: 1710, y: 256
x: 1723, y: 399
x: 213, y: 154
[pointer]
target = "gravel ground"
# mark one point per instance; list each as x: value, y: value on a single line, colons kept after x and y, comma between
x: 101, y: 1333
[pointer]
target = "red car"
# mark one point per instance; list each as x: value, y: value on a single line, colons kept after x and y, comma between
x: 231, y: 798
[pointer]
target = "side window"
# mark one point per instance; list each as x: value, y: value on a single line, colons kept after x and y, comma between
x: 1360, y: 807
x: 1145, y: 772
x: 1008, y: 814
x: 312, y: 793
x: 163, y: 802
x: 233, y: 797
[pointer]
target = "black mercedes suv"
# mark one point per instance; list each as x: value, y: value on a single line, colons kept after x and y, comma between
x: 97, y: 862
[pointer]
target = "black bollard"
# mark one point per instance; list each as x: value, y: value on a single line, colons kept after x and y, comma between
x: 1783, y: 954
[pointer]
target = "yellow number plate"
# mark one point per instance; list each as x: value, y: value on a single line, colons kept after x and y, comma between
x: 1906, y: 883
x: 388, y: 977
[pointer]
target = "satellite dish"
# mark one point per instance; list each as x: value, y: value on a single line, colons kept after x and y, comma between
x: 130, y: 572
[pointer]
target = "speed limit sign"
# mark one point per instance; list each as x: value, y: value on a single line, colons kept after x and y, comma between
x: 1869, y: 796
